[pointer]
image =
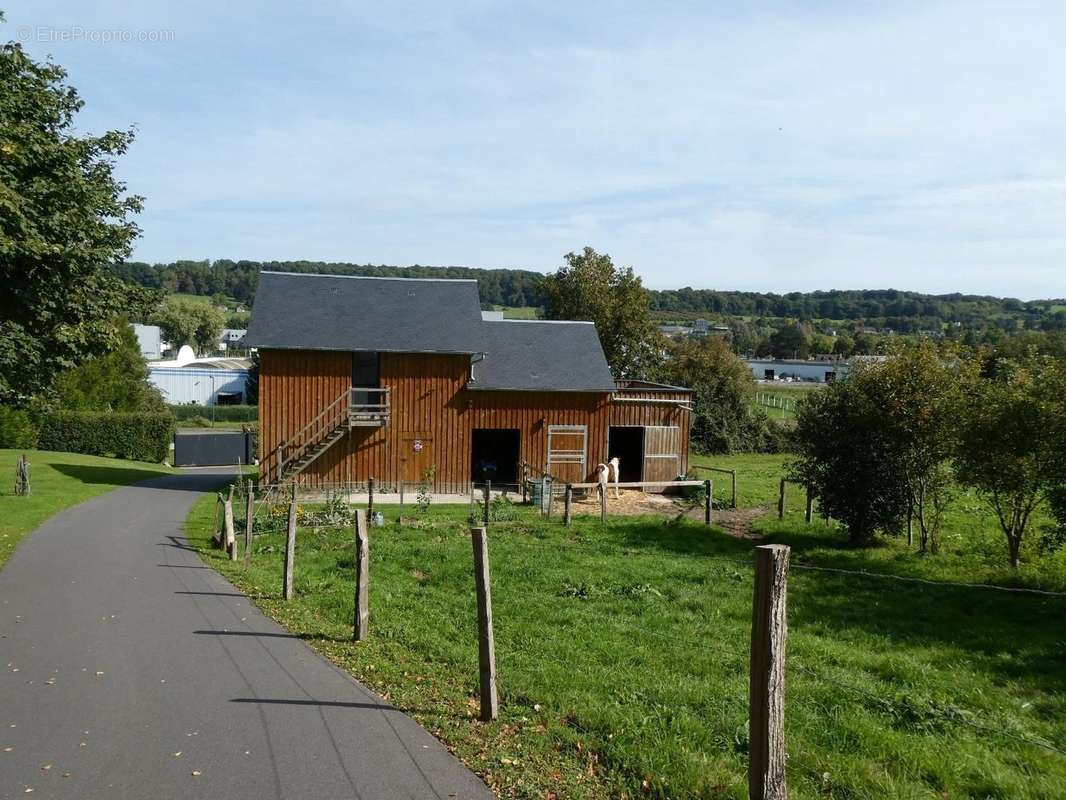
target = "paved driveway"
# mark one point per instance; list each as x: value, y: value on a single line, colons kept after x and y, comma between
x: 128, y: 669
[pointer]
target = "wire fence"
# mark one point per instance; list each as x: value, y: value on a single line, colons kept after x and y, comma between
x: 696, y: 629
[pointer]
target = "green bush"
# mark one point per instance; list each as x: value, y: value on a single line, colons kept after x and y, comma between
x: 139, y: 437
x: 218, y: 413
x: 199, y: 422
x: 16, y: 429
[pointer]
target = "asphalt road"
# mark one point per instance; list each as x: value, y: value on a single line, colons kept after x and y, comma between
x: 129, y: 669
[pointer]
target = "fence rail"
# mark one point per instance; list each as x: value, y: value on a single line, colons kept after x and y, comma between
x: 769, y: 760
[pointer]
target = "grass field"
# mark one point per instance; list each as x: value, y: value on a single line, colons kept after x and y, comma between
x: 520, y: 312
x: 57, y: 481
x: 622, y: 653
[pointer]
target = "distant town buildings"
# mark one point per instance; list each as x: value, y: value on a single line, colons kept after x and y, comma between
x: 699, y: 327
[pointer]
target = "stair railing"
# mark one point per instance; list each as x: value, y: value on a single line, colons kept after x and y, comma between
x: 350, y: 406
x: 329, y: 418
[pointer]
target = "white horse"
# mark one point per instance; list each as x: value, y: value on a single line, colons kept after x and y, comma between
x: 615, y: 473
x: 601, y: 477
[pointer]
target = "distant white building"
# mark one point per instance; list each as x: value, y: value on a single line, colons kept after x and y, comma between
x: 150, y: 340
x: 201, y: 381
x: 784, y: 369
x: 231, y: 338
x: 492, y: 316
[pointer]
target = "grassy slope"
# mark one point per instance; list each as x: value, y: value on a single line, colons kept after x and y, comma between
x: 57, y: 481
x: 622, y: 657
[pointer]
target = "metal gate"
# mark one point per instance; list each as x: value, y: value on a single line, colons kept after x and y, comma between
x: 194, y: 448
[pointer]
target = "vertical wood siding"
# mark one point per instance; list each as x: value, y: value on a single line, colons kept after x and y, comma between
x: 430, y: 406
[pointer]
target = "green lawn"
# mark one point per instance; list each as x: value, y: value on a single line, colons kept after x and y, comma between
x: 58, y: 481
x: 622, y: 654
x: 521, y: 312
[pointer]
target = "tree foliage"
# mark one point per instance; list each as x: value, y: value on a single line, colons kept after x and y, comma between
x: 723, y: 420
x: 115, y: 381
x: 65, y: 219
x: 590, y: 287
x: 183, y: 321
x: 1012, y: 442
x: 845, y: 454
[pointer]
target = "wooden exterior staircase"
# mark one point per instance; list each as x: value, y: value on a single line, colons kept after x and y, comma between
x: 357, y: 407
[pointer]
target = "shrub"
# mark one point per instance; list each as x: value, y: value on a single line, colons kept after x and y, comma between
x: 140, y: 437
x: 199, y: 422
x: 16, y: 429
x: 187, y: 412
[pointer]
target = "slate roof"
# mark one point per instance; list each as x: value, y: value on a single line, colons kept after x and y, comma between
x: 302, y: 311
x: 542, y: 356
x: 299, y: 311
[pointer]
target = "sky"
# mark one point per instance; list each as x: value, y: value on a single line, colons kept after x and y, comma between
x: 763, y: 146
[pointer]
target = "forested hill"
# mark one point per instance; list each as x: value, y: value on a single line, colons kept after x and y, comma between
x: 239, y: 279
x: 900, y: 310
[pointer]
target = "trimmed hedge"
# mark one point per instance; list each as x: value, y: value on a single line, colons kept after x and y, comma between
x: 186, y: 412
x: 138, y: 437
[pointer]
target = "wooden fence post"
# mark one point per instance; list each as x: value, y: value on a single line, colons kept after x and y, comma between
x: 808, y: 515
x: 362, y: 577
x: 568, y: 499
x: 734, y: 474
x: 766, y: 694
x: 523, y: 476
x: 550, y: 486
x: 290, y: 548
x: 229, y: 536
x: 603, y: 505
x: 370, y: 499
x: 708, y: 501
x: 781, y: 500
x: 486, y: 644
x: 249, y: 513
x: 485, y: 511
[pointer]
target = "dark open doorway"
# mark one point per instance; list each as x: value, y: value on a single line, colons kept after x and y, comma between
x: 626, y: 443
x: 495, y: 455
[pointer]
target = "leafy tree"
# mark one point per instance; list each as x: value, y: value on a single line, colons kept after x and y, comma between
x: 591, y: 288
x: 865, y: 344
x: 1011, y: 443
x: 209, y: 323
x: 844, y: 345
x: 820, y: 344
x: 789, y: 341
x: 721, y: 421
x: 844, y: 452
x: 920, y: 393
x: 116, y: 381
x: 65, y: 219
x: 182, y: 321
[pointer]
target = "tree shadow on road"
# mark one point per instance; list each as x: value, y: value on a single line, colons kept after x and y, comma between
x: 101, y: 475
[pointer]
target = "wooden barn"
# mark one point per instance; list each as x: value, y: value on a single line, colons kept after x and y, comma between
x: 397, y: 379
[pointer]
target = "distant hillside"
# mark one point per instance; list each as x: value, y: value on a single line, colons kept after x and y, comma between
x: 239, y: 279
x: 886, y: 308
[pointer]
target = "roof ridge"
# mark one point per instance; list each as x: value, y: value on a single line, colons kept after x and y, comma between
x: 363, y: 277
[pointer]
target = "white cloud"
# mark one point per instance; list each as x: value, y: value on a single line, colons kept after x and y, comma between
x: 913, y: 145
